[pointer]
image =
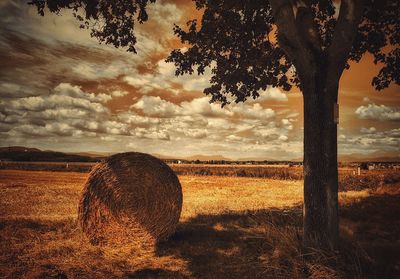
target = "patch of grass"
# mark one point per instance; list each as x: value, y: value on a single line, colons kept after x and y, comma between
x: 263, y: 171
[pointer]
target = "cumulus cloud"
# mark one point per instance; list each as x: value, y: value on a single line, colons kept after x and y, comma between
x: 151, y: 105
x: 234, y: 138
x: 67, y: 89
x: 273, y: 131
x: 202, y: 106
x: 378, y: 112
x: 287, y: 124
x: 66, y: 111
x: 196, y: 133
x: 155, y: 106
x: 253, y: 111
x: 371, y: 140
x: 119, y: 93
x: 108, y: 138
x: 283, y: 138
x: 198, y: 119
x: 273, y: 94
x: 219, y: 124
x: 164, y: 78
x: 132, y: 118
x: 293, y: 116
x: 12, y: 90
x: 65, y: 99
x: 69, y: 111
x: 369, y: 130
x: 95, y: 71
x: 145, y: 82
x: 151, y: 133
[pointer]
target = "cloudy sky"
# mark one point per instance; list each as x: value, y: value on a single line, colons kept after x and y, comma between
x: 61, y: 90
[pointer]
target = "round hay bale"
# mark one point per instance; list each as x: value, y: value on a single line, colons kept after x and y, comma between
x: 130, y: 198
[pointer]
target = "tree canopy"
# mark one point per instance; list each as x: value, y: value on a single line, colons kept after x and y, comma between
x: 237, y: 38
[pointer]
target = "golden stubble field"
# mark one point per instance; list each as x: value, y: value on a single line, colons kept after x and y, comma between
x: 230, y: 227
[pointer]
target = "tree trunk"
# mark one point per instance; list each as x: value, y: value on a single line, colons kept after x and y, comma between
x: 320, y: 212
x: 319, y: 70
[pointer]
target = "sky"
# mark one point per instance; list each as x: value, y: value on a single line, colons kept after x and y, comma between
x: 62, y: 90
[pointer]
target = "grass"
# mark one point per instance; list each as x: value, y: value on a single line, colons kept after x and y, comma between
x: 282, y: 172
x: 230, y: 227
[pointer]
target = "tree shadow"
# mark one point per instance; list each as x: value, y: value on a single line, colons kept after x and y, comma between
x: 246, y: 244
x: 230, y: 245
x: 376, y: 227
x: 149, y: 273
x: 240, y: 245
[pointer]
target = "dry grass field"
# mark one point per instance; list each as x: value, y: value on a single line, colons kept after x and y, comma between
x: 230, y: 227
x: 347, y: 181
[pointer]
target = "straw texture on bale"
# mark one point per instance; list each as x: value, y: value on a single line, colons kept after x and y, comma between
x: 130, y: 198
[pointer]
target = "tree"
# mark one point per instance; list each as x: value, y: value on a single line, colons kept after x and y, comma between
x: 314, y: 42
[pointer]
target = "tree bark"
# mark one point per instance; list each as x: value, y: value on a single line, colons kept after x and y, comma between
x: 320, y: 212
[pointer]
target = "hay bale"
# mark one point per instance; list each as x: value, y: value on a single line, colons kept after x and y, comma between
x: 130, y: 198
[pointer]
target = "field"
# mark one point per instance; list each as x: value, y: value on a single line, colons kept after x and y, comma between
x: 232, y: 226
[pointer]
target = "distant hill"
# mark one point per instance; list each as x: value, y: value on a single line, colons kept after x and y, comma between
x: 165, y: 157
x: 19, y: 153
x: 208, y: 158
x: 92, y: 154
x: 18, y: 149
x: 372, y: 157
x: 246, y: 159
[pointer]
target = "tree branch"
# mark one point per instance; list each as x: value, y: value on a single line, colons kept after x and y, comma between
x: 306, y: 25
x: 350, y: 14
x: 298, y: 36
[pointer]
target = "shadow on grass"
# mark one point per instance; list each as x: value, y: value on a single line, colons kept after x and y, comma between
x: 262, y: 244
x: 232, y: 245
x: 156, y: 273
x: 376, y: 221
x: 250, y: 244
